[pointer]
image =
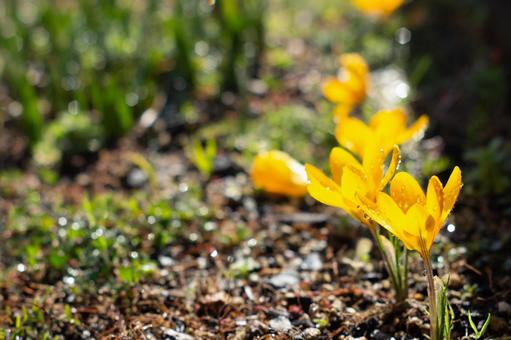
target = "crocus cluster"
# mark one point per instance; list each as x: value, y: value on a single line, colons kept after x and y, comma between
x: 365, y: 182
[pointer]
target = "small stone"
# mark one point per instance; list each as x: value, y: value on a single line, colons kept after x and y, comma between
x: 379, y: 335
x: 86, y: 334
x: 136, y: 178
x: 172, y: 334
x: 504, y: 307
x: 372, y: 277
x: 302, y: 217
x: 312, y: 262
x: 280, y: 324
x: 418, y: 297
x: 311, y: 333
x: 454, y: 279
x: 166, y: 261
x: 285, y: 279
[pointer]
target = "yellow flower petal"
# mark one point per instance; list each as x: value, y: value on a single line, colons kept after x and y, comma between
x: 392, y: 168
x: 421, y: 230
x: 391, y: 120
x: 352, y: 133
x: 385, y: 212
x: 277, y: 172
x: 405, y: 190
x: 339, y: 158
x: 391, y: 5
x: 356, y: 75
x: 415, y: 220
x: 323, y: 189
x: 415, y: 131
x: 337, y: 91
x: 411, y: 242
x: 432, y: 230
x: 435, y: 198
x: 393, y: 214
x: 451, y: 191
x: 377, y: 8
x: 373, y: 166
x: 353, y: 183
x: 354, y: 63
x: 387, y: 125
x: 341, y: 111
x: 350, y: 89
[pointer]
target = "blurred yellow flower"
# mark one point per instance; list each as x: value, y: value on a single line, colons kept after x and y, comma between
x: 412, y: 216
x: 377, y: 8
x: 351, y: 178
x: 387, y: 127
x: 278, y: 173
x: 351, y: 88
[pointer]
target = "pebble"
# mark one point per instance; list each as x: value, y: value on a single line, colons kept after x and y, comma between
x: 379, y: 335
x: 311, y: 333
x: 285, y: 279
x: 166, y: 261
x: 454, y: 279
x: 418, y: 297
x: 303, y: 217
x: 172, y: 334
x: 281, y: 324
x: 136, y: 178
x: 312, y: 262
x: 504, y: 307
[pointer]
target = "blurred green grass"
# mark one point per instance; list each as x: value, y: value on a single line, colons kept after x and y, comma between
x: 111, y: 58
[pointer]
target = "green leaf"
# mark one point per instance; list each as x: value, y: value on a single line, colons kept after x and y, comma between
x: 444, y: 310
x: 130, y: 274
x: 472, y: 324
x: 485, y: 326
x: 57, y: 258
x: 89, y: 211
x: 479, y: 333
x: 203, y: 157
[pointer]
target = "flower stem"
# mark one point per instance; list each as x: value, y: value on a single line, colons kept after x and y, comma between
x: 432, y: 297
x: 405, y: 274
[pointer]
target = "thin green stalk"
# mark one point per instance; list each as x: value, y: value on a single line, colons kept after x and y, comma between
x: 397, y: 256
x: 406, y: 273
x: 402, y: 270
x: 432, y: 297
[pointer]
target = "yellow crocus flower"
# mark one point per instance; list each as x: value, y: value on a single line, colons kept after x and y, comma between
x: 351, y: 88
x: 412, y: 216
x: 387, y: 127
x: 278, y: 173
x: 377, y: 8
x: 351, y: 178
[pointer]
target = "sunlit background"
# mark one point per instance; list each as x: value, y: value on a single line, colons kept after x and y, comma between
x: 151, y: 99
